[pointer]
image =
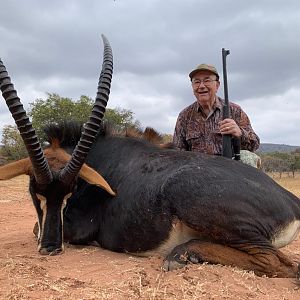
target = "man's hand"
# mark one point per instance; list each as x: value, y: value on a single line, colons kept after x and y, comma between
x: 228, y: 126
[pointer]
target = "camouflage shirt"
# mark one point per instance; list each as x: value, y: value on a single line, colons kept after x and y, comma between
x: 194, y: 131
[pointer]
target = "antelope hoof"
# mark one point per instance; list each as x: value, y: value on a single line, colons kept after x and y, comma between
x: 51, y: 251
x: 175, y: 260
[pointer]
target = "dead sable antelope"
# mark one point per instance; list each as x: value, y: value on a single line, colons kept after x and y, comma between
x: 184, y: 206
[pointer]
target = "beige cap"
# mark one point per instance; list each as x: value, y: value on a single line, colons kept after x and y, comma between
x: 204, y: 67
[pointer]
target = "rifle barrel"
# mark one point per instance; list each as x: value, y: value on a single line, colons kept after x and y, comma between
x: 224, y: 55
x: 227, y: 146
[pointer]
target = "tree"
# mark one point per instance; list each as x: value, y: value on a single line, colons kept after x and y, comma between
x: 294, y: 161
x: 56, y: 109
x: 281, y: 162
x: 297, y: 151
x: 13, y: 146
x: 121, y: 118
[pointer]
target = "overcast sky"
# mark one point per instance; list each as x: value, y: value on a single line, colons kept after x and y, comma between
x: 55, y: 46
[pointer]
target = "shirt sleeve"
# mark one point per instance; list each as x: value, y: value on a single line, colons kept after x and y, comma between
x: 179, y: 137
x: 249, y: 139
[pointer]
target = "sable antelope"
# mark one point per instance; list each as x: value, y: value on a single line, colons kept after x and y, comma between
x: 184, y: 206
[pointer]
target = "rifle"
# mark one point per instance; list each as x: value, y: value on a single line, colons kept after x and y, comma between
x: 231, y: 146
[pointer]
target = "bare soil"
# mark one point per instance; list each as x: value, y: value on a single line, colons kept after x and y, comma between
x: 94, y: 273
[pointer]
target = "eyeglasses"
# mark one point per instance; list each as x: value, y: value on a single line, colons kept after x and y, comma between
x: 206, y: 82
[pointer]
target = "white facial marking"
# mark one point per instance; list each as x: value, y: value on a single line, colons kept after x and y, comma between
x: 43, y: 206
x: 62, y: 217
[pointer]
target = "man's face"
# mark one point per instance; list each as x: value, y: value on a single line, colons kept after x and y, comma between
x: 205, y: 87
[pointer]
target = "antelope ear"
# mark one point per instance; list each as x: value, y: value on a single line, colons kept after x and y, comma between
x: 93, y: 177
x: 15, y: 169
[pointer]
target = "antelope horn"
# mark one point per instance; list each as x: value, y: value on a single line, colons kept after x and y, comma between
x: 40, y: 165
x: 91, y: 128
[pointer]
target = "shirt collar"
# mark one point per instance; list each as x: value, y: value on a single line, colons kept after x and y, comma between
x: 217, y: 105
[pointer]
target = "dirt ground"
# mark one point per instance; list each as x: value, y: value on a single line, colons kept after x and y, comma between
x: 94, y: 273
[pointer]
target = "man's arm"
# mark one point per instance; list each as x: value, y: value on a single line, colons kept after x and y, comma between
x: 249, y: 139
x: 179, y: 137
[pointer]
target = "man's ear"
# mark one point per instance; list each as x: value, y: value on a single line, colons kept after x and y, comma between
x: 14, y: 169
x: 93, y: 177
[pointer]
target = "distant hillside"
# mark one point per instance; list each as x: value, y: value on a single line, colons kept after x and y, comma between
x: 267, y: 147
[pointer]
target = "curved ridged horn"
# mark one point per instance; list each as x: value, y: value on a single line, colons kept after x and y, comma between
x: 40, y: 165
x: 91, y: 128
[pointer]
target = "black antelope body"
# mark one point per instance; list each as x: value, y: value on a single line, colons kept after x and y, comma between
x: 184, y: 206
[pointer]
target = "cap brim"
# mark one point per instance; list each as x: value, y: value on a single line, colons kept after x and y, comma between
x: 198, y: 70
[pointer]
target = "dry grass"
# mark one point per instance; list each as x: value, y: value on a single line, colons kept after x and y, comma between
x: 93, y: 273
x: 288, y: 181
x: 17, y: 187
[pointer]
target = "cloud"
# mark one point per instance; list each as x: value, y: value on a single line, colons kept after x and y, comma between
x: 57, y: 48
x: 277, y: 117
